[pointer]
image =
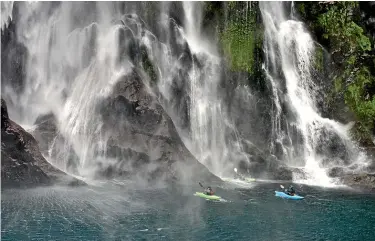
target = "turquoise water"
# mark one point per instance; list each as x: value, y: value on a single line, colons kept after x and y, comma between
x: 120, y: 213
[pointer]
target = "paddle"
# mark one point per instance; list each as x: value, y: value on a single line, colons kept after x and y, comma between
x: 200, y: 184
x: 282, y: 188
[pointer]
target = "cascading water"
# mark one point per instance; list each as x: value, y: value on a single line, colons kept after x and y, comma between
x: 70, y: 70
x: 289, y: 49
x: 74, y: 62
x: 208, y: 127
x: 206, y: 136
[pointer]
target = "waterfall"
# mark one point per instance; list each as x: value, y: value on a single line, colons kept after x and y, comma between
x: 206, y: 114
x: 70, y: 70
x: 289, y: 51
x: 207, y: 134
x: 75, y: 61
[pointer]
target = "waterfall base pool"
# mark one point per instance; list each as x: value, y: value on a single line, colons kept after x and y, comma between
x: 119, y: 213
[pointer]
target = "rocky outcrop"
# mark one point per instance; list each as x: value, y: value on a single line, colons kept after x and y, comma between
x: 260, y: 164
x: 52, y: 143
x: 143, y: 138
x: 22, y: 164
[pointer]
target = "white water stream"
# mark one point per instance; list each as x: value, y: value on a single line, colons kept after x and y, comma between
x: 290, y: 48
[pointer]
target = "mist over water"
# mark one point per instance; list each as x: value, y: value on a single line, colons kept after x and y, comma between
x: 77, y: 52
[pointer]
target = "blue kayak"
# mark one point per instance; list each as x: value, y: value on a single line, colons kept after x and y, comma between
x: 284, y: 195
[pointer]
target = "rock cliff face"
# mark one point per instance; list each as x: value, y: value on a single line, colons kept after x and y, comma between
x: 133, y: 135
x: 142, y: 139
x: 22, y: 164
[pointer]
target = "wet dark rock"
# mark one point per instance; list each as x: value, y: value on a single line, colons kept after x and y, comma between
x: 263, y: 165
x: 336, y: 172
x: 13, y: 60
x: 143, y: 139
x: 52, y: 143
x: 22, y: 164
x: 368, y: 16
x: 251, y: 114
x: 272, y: 170
x: 332, y: 146
x: 45, y: 131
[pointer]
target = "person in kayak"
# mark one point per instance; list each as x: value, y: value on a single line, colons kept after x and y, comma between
x: 209, y: 191
x: 290, y: 191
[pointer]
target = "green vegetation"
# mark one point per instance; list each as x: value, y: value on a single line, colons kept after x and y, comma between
x: 319, y: 59
x: 343, y: 33
x: 239, y: 44
x: 360, y: 101
x: 148, y: 66
x: 239, y: 33
x: 241, y: 36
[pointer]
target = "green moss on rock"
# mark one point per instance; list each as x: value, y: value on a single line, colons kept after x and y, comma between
x: 148, y: 66
x: 241, y: 35
x: 239, y: 44
x: 319, y: 59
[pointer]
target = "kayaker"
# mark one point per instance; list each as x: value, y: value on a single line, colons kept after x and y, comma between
x: 290, y: 191
x: 209, y: 191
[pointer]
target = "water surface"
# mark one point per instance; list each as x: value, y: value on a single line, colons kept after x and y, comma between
x: 121, y: 213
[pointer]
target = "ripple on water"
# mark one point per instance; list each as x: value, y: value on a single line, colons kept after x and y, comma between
x: 249, y: 214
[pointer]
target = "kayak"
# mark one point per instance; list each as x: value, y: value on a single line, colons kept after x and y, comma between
x: 211, y: 197
x: 284, y: 195
x: 249, y: 179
